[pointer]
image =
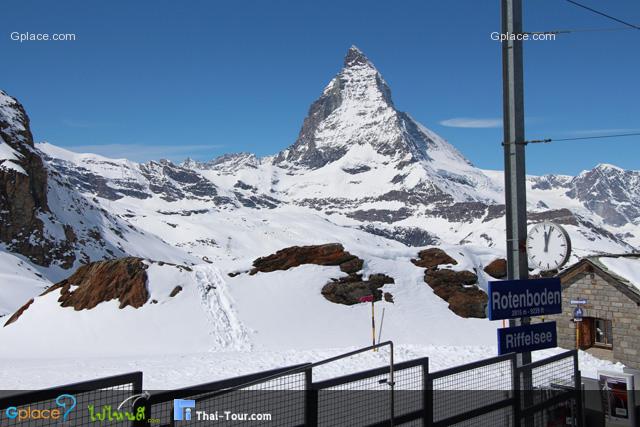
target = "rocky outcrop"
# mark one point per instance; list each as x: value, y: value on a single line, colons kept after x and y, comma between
x: 18, y: 313
x: 497, y: 268
x: 328, y: 254
x: 458, y: 288
x: 345, y: 290
x: 348, y: 290
x: 124, y: 279
x: 23, y: 191
x: 431, y: 258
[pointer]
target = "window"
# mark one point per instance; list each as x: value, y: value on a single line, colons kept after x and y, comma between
x: 603, y: 334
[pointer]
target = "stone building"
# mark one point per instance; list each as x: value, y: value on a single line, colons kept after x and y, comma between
x: 610, y: 328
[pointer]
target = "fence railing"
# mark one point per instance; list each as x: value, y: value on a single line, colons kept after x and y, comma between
x: 555, y: 394
x: 79, y: 404
x: 489, y: 392
x: 482, y: 392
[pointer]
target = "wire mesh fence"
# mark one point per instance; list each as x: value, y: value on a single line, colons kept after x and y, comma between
x: 478, y: 394
x: 370, y: 398
x: 274, y: 398
x: 491, y: 392
x: 79, y: 404
x: 550, y: 391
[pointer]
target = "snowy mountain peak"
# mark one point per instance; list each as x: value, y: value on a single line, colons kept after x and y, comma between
x: 356, y: 57
x: 355, y: 123
x: 14, y: 122
x: 608, y: 167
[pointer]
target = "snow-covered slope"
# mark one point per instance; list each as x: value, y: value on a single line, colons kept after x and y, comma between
x: 361, y: 173
x: 200, y: 317
x: 19, y: 281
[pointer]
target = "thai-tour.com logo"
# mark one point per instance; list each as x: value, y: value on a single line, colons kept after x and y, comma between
x: 64, y: 405
x: 182, y: 409
x: 185, y: 410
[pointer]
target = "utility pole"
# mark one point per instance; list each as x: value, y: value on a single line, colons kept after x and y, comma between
x: 514, y: 150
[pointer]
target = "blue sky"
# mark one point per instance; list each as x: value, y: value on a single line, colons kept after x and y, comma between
x: 168, y: 79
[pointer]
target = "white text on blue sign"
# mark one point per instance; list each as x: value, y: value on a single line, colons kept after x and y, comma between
x: 523, y: 298
x: 519, y: 339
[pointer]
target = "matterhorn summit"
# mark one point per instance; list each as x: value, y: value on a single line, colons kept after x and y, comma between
x: 356, y: 121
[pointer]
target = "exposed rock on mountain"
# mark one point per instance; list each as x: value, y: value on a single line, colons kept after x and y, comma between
x: 23, y: 191
x: 329, y: 254
x: 348, y: 290
x: 18, y: 313
x: 458, y: 288
x: 124, y: 279
x: 497, y: 268
x: 431, y: 258
x: 609, y: 191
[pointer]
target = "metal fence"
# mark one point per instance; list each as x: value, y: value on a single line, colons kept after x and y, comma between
x: 554, y: 396
x: 476, y: 394
x: 491, y: 392
x: 78, y: 404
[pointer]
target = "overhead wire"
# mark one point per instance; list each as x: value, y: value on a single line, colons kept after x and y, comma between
x: 578, y: 138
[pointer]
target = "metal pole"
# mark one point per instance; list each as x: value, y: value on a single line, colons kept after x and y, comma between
x: 514, y: 165
x: 514, y: 160
x: 381, y: 323
x: 373, y: 324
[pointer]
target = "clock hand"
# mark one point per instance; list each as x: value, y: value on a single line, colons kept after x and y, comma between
x: 547, y: 235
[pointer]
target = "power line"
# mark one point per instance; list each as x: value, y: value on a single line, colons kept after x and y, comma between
x: 580, y: 30
x: 547, y: 140
x: 575, y: 3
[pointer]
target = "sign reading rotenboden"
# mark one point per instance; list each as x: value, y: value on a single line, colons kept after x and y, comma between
x: 511, y: 299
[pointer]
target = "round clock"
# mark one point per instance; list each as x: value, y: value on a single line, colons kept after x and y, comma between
x: 548, y: 246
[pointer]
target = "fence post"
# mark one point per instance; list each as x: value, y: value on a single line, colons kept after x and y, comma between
x: 142, y: 403
x: 517, y: 404
x: 427, y: 396
x: 137, y: 389
x: 310, y: 399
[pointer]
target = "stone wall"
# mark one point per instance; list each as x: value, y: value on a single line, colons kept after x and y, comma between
x: 604, y: 301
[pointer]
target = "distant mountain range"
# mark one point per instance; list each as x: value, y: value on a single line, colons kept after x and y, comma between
x: 360, y: 173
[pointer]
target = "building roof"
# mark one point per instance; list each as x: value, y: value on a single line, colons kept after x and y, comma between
x: 620, y: 270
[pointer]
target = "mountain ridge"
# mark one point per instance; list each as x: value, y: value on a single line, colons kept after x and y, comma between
x: 358, y: 163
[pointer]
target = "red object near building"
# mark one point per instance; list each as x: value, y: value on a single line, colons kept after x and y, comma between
x: 366, y: 298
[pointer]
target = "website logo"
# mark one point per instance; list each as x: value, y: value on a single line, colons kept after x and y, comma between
x: 65, y: 404
x: 182, y: 409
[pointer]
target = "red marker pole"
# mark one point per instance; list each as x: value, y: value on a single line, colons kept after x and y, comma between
x: 368, y: 298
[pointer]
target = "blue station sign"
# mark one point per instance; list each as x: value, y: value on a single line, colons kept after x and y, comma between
x: 509, y: 299
x: 520, y: 339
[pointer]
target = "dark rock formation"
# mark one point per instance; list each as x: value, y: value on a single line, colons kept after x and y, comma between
x: 410, y: 236
x: 23, y: 194
x: 348, y: 290
x: 431, y: 258
x: 124, y: 279
x: 328, y: 254
x: 18, y: 313
x: 447, y: 282
x: 497, y: 268
x: 469, y: 302
x: 458, y: 288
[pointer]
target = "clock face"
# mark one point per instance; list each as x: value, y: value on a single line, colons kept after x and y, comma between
x: 548, y: 246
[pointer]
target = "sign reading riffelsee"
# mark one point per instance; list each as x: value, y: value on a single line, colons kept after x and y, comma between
x: 519, y: 339
x: 509, y: 299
